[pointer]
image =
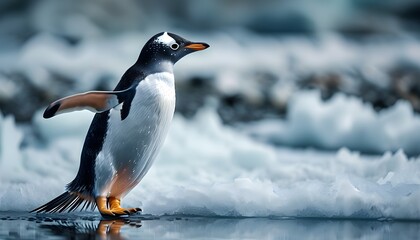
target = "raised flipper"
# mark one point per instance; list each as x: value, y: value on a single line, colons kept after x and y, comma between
x: 95, y: 101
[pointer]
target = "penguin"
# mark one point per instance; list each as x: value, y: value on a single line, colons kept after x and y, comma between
x: 127, y: 131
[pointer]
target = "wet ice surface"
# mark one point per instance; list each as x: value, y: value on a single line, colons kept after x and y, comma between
x: 21, y: 225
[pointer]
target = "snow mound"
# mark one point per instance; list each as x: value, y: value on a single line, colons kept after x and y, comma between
x: 342, y: 121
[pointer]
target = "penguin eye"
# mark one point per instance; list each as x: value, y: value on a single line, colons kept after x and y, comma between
x: 174, y: 46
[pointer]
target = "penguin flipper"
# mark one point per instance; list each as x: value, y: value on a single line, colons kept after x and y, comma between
x: 95, y: 101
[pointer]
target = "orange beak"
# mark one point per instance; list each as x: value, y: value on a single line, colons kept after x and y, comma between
x: 197, y: 46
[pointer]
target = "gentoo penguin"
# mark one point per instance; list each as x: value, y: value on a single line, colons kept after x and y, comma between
x: 127, y: 131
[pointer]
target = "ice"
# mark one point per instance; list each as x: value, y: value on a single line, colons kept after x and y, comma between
x: 342, y: 121
x: 11, y: 138
x: 207, y: 168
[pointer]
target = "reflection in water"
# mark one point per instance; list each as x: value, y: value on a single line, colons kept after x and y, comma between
x: 104, y: 229
x: 91, y: 226
x: 112, y: 228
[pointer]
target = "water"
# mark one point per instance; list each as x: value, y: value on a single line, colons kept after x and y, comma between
x: 21, y: 225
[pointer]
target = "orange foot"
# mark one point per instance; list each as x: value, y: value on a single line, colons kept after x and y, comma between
x: 115, y: 208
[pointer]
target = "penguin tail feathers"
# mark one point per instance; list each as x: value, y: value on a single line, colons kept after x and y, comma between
x: 68, y: 201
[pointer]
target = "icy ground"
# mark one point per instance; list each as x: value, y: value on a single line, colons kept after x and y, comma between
x: 207, y: 168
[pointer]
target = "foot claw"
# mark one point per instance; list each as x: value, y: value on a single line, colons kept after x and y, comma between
x: 134, y: 210
x: 107, y: 213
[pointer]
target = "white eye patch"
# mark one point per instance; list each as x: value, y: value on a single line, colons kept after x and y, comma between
x: 165, y: 39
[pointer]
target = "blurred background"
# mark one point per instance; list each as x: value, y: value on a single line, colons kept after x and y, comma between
x: 262, y: 54
x: 283, y: 83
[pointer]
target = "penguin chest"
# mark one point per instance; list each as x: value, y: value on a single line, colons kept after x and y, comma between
x: 131, y: 145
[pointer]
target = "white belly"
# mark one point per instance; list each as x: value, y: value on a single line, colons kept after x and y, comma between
x: 131, y: 145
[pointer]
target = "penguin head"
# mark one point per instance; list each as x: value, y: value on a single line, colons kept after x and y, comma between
x: 168, y: 47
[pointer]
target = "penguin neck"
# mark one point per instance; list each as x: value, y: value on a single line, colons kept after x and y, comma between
x: 155, y: 67
x: 150, y: 63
